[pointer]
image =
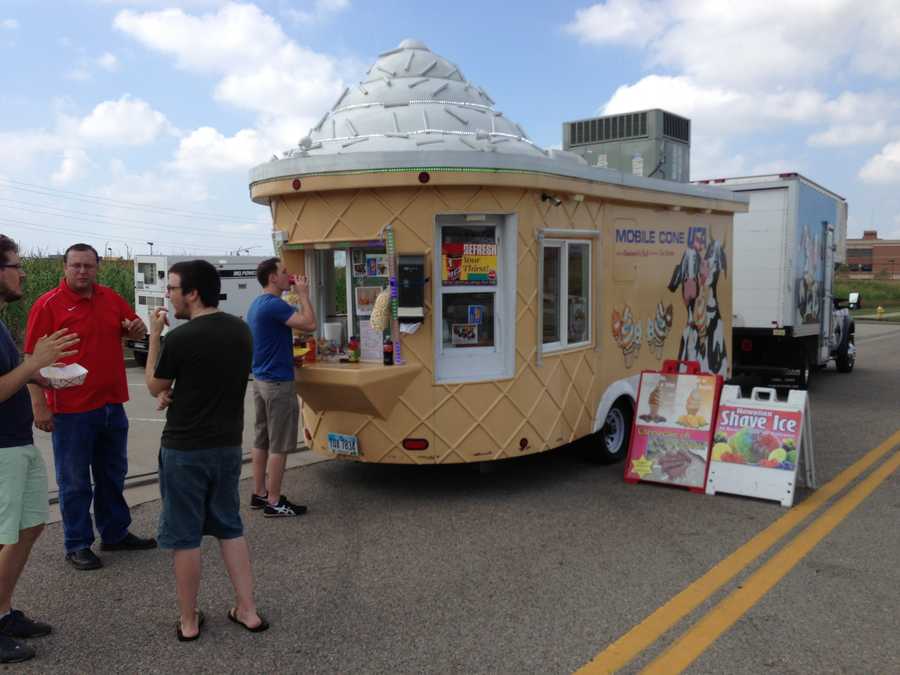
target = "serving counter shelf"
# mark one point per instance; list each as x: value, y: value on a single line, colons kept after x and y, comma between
x: 366, y: 388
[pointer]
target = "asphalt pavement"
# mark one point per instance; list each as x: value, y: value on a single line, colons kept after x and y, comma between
x: 534, y: 566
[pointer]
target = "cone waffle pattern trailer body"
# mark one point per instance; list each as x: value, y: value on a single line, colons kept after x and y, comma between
x: 537, y: 287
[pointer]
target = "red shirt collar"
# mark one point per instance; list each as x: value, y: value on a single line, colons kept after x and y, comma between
x: 73, y: 296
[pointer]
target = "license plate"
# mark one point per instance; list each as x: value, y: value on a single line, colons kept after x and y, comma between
x: 343, y: 444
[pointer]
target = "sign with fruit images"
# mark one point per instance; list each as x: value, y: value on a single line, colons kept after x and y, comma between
x: 673, y: 428
x: 757, y: 437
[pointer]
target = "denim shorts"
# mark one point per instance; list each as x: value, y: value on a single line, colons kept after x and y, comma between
x: 199, y: 491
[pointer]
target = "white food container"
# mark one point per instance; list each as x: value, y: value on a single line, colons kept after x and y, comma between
x: 71, y: 375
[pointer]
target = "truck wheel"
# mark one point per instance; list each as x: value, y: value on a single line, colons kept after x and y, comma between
x: 610, y: 444
x: 846, y: 360
x: 140, y: 358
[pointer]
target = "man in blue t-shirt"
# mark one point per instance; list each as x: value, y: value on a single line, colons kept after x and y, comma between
x: 23, y: 475
x: 275, y: 399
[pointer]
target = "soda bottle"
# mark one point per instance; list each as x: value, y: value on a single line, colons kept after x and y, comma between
x: 388, y: 352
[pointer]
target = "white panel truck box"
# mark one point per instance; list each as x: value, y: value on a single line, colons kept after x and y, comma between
x: 239, y: 288
x: 786, y: 321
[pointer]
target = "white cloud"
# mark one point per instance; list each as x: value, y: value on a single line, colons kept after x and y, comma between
x: 883, y: 167
x: 19, y: 148
x: 261, y: 69
x: 751, y: 44
x: 78, y: 74
x: 842, y: 135
x: 108, y: 61
x: 206, y: 149
x: 716, y: 108
x: 628, y: 22
x: 9, y: 24
x: 322, y: 10
x: 127, y: 121
x: 74, y: 162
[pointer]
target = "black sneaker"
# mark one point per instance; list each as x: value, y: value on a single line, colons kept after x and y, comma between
x: 259, y: 502
x: 13, y: 651
x: 17, y: 625
x: 283, y: 509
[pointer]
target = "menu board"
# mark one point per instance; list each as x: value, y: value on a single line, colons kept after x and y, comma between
x: 371, y: 345
x: 673, y: 428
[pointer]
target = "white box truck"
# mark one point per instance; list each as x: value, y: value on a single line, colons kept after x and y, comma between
x: 239, y: 288
x: 786, y: 321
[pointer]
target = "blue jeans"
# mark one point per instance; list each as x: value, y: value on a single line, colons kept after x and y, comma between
x: 93, y: 442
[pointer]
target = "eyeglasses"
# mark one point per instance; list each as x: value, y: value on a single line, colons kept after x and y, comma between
x: 16, y: 266
x: 173, y: 288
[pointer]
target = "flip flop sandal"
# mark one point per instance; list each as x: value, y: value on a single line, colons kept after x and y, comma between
x: 263, y: 625
x: 200, y: 620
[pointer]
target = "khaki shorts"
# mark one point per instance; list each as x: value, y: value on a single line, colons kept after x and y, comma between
x: 277, y: 416
x: 23, y: 491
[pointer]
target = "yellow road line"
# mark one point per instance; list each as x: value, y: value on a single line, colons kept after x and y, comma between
x: 721, y: 617
x: 627, y: 647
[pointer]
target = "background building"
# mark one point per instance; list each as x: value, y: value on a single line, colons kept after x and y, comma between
x: 870, y: 256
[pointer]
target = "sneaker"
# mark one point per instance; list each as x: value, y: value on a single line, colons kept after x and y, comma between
x: 17, y: 625
x: 259, y: 501
x: 13, y: 651
x: 283, y: 509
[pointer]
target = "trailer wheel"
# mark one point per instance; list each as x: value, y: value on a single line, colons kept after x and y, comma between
x: 846, y: 359
x: 610, y: 444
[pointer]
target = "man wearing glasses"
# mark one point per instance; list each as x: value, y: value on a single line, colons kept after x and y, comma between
x: 88, y: 423
x: 23, y: 475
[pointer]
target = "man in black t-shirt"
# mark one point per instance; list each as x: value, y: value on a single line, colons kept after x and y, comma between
x: 201, y: 377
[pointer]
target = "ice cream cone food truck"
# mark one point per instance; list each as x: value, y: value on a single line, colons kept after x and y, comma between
x: 526, y: 290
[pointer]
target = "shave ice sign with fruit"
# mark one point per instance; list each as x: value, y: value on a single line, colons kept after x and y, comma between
x: 757, y: 437
x: 673, y: 429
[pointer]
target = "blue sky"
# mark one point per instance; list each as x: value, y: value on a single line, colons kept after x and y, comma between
x: 125, y: 122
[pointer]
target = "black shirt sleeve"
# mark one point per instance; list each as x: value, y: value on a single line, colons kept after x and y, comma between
x: 167, y: 366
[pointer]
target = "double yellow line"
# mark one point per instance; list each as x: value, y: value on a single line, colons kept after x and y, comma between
x: 699, y: 637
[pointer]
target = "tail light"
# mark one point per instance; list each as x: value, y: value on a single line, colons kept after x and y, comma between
x: 415, y: 444
x: 746, y: 345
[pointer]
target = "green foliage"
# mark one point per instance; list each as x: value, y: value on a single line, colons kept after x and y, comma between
x: 874, y: 292
x: 43, y: 274
x: 340, y: 284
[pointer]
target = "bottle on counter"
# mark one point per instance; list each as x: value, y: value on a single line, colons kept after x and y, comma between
x: 388, y: 352
x: 353, y: 349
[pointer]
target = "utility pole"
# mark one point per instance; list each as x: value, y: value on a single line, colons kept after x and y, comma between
x: 151, y: 247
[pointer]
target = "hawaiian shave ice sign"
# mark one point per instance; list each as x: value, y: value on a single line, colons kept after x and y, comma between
x: 757, y: 437
x: 759, y: 444
x: 468, y: 264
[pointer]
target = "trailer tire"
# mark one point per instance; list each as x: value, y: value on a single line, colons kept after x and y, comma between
x: 610, y: 444
x: 140, y: 358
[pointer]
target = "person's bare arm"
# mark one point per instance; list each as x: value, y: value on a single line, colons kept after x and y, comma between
x: 304, y: 318
x: 158, y: 320
x: 48, y: 350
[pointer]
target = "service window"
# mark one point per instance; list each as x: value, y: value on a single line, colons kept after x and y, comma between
x: 566, y: 302
x: 474, y: 297
x: 345, y: 282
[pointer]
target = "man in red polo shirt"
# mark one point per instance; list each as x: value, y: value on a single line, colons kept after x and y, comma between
x: 88, y: 422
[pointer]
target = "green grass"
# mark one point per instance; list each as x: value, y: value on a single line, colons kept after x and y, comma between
x: 43, y: 274
x: 873, y: 292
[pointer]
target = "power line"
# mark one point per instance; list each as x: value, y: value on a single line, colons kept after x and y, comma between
x: 86, y: 197
x: 105, y: 236
x: 92, y: 217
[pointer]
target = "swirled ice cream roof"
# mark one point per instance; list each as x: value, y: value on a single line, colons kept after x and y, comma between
x: 415, y: 108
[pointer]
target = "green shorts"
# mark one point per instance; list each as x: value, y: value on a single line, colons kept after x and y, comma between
x: 23, y: 491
